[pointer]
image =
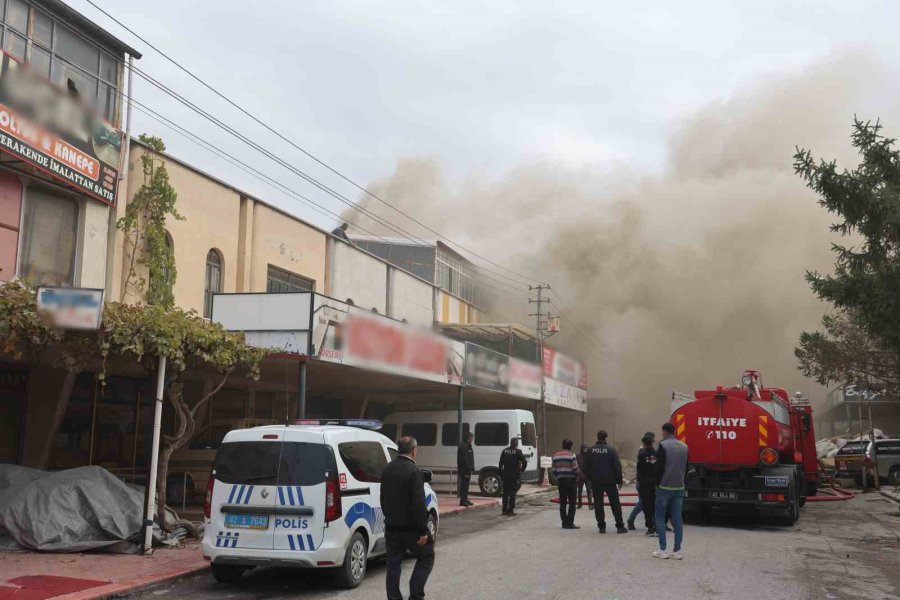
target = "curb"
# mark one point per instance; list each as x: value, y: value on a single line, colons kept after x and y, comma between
x: 890, y: 496
x: 120, y: 589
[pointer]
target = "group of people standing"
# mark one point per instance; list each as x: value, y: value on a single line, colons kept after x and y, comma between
x: 661, y: 471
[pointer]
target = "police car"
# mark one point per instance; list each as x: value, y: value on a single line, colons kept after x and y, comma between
x: 300, y: 495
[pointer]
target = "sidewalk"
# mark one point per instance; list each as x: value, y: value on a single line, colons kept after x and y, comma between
x: 37, y: 576
x: 41, y: 576
x: 891, y: 493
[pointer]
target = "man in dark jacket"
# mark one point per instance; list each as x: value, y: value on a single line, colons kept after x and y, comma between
x: 406, y: 521
x: 512, y: 464
x: 647, y: 472
x: 605, y: 470
x: 584, y: 480
x: 465, y: 466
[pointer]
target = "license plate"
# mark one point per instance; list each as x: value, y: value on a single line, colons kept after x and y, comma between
x: 724, y: 495
x: 247, y: 521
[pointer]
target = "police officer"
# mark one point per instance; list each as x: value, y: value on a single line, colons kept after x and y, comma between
x: 512, y: 464
x: 465, y: 466
x: 605, y: 470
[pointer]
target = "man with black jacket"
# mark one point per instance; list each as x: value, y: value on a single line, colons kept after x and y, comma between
x: 605, y: 470
x: 512, y: 464
x: 406, y: 521
x: 465, y: 466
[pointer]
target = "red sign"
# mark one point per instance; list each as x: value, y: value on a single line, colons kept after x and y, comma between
x: 564, y: 368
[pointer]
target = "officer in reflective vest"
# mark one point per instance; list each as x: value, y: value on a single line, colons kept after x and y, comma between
x: 512, y: 465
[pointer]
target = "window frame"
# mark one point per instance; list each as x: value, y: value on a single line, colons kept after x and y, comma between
x: 57, y: 58
x: 272, y: 269
x: 484, y: 424
x: 358, y: 470
x: 433, y: 434
x: 207, y: 291
x: 29, y: 187
x: 455, y: 441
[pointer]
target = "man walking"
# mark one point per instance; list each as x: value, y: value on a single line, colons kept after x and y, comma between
x: 584, y: 481
x: 465, y: 466
x: 647, y: 471
x: 673, y: 456
x: 605, y: 470
x: 406, y: 521
x: 565, y: 468
x: 512, y: 464
x: 639, y: 505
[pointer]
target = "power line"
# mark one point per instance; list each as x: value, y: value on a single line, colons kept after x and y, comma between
x: 525, y: 278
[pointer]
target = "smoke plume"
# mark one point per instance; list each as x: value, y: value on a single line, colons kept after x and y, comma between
x: 685, y: 277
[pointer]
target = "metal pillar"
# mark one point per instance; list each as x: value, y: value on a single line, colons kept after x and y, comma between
x: 154, y: 457
x: 301, y: 392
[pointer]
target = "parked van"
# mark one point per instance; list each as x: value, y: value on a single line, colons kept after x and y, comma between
x: 438, y: 438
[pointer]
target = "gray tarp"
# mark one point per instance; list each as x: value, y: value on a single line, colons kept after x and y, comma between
x: 67, y: 511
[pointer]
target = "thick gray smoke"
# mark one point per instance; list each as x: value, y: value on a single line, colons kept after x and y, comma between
x: 686, y: 277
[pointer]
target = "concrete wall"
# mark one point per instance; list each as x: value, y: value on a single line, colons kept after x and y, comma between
x: 410, y: 298
x: 248, y: 235
x: 93, y: 221
x: 359, y: 276
x: 286, y: 243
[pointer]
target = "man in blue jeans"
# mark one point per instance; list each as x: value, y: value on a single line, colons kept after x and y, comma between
x: 673, y: 456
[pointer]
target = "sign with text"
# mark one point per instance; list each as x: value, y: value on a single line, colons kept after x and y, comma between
x: 53, y: 131
x: 564, y: 368
x: 72, y: 308
x: 564, y: 395
x: 486, y: 368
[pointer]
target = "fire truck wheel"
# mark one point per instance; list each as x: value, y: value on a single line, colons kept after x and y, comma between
x: 812, y: 488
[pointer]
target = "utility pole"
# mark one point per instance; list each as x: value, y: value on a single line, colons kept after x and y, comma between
x: 542, y: 334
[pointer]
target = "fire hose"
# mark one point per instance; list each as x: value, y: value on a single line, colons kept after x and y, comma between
x: 832, y: 493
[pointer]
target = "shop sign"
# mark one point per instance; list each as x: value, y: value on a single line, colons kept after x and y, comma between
x: 565, y: 395
x: 486, y: 368
x: 72, y: 308
x: 48, y: 128
x: 564, y: 368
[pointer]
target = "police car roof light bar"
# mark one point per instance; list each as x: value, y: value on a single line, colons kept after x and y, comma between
x: 371, y: 424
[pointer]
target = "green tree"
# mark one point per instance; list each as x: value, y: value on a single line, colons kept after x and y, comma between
x: 130, y: 333
x: 866, y: 279
x: 144, y: 227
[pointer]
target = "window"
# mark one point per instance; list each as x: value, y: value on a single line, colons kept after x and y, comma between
x: 305, y: 464
x: 364, y: 460
x: 425, y: 433
x: 213, y: 280
x: 49, y: 236
x: 248, y: 462
x: 210, y: 438
x: 528, y: 433
x: 450, y: 433
x: 887, y: 448
x: 63, y: 54
x: 389, y: 430
x: 491, y: 434
x: 281, y: 281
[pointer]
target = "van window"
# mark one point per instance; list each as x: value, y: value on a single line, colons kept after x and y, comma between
x: 389, y: 430
x: 491, y: 434
x: 425, y: 433
x: 853, y: 448
x: 450, y: 433
x: 529, y: 436
x: 364, y: 460
x: 248, y: 462
x: 887, y: 448
x: 305, y: 464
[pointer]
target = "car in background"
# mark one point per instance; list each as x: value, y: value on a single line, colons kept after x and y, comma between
x: 437, y: 433
x: 854, y: 456
x: 190, y: 465
x: 306, y: 495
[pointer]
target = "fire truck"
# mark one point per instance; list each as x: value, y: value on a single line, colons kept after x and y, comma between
x: 748, y: 446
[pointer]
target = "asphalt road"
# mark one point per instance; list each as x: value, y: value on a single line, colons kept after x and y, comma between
x: 838, y: 550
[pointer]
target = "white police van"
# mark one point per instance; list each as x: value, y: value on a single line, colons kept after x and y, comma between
x: 302, y: 495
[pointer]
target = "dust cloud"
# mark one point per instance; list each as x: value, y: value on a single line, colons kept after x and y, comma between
x: 685, y: 277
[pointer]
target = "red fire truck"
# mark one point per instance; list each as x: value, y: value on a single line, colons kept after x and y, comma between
x: 749, y: 446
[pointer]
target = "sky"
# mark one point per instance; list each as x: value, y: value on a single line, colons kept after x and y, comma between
x: 481, y: 87
x: 624, y: 148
